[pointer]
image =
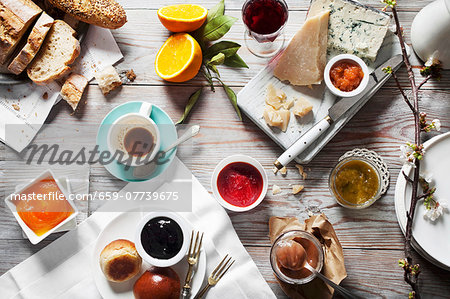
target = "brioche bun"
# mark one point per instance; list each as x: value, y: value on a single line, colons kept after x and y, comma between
x: 120, y: 261
x: 158, y: 283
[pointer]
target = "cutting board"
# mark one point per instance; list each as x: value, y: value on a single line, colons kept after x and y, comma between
x: 251, y: 100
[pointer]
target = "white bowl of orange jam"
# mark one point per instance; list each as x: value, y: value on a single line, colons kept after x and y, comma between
x: 41, y: 207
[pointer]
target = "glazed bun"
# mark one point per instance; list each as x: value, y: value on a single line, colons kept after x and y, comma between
x: 120, y: 261
x: 158, y: 283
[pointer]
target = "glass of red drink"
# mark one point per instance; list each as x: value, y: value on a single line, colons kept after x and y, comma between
x: 265, y: 21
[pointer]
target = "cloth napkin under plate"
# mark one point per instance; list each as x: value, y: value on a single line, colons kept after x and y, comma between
x: 24, y: 107
x: 63, y: 268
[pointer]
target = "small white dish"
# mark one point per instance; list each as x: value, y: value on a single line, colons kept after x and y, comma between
x: 185, y: 228
x: 31, y: 235
x: 352, y: 58
x: 233, y: 159
x: 64, y: 181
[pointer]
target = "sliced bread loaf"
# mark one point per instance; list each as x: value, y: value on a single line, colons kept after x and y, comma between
x: 34, y: 43
x: 15, y: 18
x: 60, y: 49
x: 73, y: 89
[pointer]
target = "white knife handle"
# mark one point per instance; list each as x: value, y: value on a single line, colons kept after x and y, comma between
x: 303, y: 142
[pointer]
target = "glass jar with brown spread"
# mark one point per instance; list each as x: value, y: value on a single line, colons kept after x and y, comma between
x: 283, y: 257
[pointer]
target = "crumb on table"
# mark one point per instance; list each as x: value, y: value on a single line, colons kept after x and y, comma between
x: 131, y: 75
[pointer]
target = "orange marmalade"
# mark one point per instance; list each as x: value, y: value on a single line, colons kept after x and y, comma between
x: 346, y: 75
x: 42, y: 206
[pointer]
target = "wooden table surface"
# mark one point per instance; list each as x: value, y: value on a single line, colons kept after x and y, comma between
x: 371, y: 238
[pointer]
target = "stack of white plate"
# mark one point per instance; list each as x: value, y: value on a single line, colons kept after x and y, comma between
x: 430, y: 238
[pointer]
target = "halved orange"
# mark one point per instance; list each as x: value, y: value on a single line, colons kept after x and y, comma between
x: 179, y: 58
x: 182, y: 17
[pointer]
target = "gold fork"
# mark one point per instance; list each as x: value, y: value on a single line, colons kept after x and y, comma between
x: 216, y: 275
x: 194, y: 253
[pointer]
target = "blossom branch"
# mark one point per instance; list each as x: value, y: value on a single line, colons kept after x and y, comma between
x: 424, y: 81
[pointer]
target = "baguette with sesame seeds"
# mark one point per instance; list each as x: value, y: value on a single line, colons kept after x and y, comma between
x: 104, y: 13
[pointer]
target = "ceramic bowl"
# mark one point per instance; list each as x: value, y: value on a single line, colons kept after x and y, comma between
x: 352, y: 58
x: 185, y: 228
x: 31, y: 235
x: 232, y: 159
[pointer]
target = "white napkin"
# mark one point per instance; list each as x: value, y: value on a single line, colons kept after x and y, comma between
x: 28, y: 105
x: 63, y: 268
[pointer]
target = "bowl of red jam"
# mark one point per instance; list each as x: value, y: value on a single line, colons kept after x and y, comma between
x: 239, y: 183
x: 346, y: 75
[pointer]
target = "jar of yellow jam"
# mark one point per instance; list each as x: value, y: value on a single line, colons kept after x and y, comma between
x: 355, y: 182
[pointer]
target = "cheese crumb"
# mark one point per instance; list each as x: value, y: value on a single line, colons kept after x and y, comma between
x: 277, y: 118
x: 301, y: 171
x: 297, y: 188
x: 283, y: 170
x: 276, y: 189
x: 302, y: 107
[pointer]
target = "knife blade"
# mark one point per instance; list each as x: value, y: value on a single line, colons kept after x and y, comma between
x: 377, y: 78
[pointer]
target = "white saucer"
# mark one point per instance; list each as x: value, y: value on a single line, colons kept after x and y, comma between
x: 123, y: 227
x: 430, y: 237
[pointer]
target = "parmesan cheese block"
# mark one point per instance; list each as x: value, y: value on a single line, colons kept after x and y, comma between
x: 275, y: 97
x: 303, y: 61
x: 353, y: 27
x: 302, y: 107
x: 277, y: 118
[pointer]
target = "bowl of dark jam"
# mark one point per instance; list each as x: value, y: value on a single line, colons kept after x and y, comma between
x: 162, y: 238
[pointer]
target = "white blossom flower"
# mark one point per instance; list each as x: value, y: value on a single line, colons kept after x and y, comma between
x: 437, y: 124
x: 407, y: 155
x: 427, y: 176
x: 443, y: 203
x: 433, y: 213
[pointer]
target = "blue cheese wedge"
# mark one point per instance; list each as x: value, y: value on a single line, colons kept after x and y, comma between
x: 353, y: 28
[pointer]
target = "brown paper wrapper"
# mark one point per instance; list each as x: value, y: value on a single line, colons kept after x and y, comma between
x: 333, y: 266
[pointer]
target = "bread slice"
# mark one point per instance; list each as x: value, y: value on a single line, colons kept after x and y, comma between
x: 34, y: 43
x: 60, y: 49
x: 73, y: 89
x: 104, y: 13
x: 15, y: 18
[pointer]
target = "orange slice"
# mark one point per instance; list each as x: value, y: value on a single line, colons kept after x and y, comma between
x: 179, y: 58
x: 182, y: 17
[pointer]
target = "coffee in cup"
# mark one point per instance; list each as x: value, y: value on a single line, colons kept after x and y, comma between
x: 136, y: 136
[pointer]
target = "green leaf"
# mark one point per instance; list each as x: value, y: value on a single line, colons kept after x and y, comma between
x: 190, y: 104
x: 226, y: 47
x: 214, y: 69
x: 218, y: 27
x: 233, y: 99
x: 235, y: 61
x: 217, y: 59
x: 217, y: 10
